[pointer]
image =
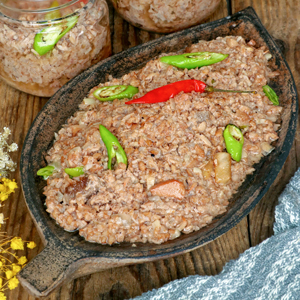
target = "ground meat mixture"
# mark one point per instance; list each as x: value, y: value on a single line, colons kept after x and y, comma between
x: 173, y: 183
x: 166, y: 15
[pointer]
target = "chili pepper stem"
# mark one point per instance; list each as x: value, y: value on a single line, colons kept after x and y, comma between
x: 210, y: 89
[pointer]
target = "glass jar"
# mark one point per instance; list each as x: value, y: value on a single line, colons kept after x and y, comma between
x: 165, y: 16
x: 43, y: 43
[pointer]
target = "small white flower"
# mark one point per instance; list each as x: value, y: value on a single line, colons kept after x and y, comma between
x: 13, y: 147
x: 6, y: 163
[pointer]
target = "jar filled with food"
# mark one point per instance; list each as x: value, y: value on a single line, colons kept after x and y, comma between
x: 43, y: 43
x: 165, y: 16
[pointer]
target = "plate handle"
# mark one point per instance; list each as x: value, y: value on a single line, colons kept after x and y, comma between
x: 49, y: 268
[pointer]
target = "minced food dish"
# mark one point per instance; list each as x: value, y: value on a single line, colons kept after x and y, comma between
x: 172, y: 184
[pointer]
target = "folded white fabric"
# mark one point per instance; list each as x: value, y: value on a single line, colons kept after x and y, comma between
x: 270, y: 270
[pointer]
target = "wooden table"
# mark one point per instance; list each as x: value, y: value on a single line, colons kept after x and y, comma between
x: 18, y: 110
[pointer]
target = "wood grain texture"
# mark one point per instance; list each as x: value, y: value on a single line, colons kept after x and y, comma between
x: 18, y: 110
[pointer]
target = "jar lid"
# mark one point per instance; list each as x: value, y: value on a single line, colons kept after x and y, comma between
x: 40, y: 10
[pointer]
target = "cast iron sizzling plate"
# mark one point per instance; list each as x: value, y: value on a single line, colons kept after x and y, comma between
x: 67, y: 255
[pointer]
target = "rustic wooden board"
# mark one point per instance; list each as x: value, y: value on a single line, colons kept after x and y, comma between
x: 281, y: 18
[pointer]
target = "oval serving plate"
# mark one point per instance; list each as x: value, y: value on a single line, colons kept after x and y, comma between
x: 67, y: 254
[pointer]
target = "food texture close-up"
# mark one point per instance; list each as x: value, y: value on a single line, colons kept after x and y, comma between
x: 180, y: 143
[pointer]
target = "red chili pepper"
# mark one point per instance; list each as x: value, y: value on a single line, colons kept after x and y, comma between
x: 164, y: 93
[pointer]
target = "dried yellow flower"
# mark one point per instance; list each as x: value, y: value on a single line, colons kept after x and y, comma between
x: 10, y: 184
x: 16, y: 269
x: 17, y: 243
x: 9, y: 274
x: 3, y: 196
x: 31, y: 245
x: 9, y: 269
x: 22, y: 260
x: 13, y: 283
x: 7, y: 187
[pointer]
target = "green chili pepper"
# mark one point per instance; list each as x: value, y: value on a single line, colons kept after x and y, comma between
x: 193, y: 60
x: 74, y: 172
x: 109, y: 93
x: 234, y: 141
x: 114, y: 149
x: 53, y: 14
x: 46, y: 39
x: 270, y: 93
x: 45, y: 172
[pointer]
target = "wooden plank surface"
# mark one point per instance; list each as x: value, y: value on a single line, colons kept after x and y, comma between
x: 281, y: 18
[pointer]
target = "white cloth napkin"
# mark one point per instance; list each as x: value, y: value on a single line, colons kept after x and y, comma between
x: 271, y: 270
